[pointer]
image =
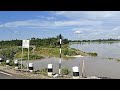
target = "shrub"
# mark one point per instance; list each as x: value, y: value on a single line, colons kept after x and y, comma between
x: 110, y: 58
x: 66, y: 52
x: 118, y: 60
x: 43, y: 71
x: 11, y: 63
x: 65, y: 71
x: 93, y: 54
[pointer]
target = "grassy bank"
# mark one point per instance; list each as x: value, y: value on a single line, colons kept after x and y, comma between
x: 118, y: 60
x: 42, y: 52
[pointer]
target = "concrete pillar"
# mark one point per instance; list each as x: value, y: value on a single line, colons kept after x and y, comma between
x: 30, y: 66
x: 7, y: 62
x: 0, y: 60
x: 50, y: 70
x: 16, y: 64
x: 75, y: 72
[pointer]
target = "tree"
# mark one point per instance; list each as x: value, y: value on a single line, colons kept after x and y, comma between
x: 65, y: 41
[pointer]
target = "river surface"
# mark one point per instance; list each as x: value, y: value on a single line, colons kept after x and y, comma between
x: 94, y: 66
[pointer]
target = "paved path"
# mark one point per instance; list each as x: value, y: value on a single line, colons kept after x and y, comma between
x: 5, y: 75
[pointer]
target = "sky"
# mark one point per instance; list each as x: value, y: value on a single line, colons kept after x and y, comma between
x: 74, y: 25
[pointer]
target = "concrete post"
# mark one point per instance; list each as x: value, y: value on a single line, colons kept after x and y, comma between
x: 30, y: 67
x: 50, y: 70
x: 75, y: 72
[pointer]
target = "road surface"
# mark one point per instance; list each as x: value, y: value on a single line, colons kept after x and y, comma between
x: 5, y: 75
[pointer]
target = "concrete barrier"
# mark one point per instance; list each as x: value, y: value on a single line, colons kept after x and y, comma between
x: 7, y: 62
x: 0, y: 60
x: 50, y: 70
x: 16, y: 64
x: 75, y: 72
x: 30, y: 66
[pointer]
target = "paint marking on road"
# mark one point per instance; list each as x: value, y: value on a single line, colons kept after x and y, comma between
x: 6, y: 73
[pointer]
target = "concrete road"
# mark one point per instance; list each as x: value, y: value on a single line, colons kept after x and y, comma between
x: 5, y: 75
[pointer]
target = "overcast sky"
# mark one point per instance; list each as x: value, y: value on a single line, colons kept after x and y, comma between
x: 71, y: 24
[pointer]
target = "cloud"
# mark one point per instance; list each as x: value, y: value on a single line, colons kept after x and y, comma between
x: 36, y: 23
x: 47, y: 18
x: 90, y: 24
x: 77, y: 32
x: 31, y: 23
x: 116, y: 28
x: 88, y: 14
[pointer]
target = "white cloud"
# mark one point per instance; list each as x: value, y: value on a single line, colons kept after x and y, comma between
x: 42, y: 23
x: 88, y: 14
x: 51, y: 18
x: 31, y: 23
x: 90, y: 24
x: 77, y: 32
x: 116, y: 28
x: 47, y: 18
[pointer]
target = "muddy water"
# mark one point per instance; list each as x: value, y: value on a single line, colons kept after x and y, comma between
x: 94, y: 66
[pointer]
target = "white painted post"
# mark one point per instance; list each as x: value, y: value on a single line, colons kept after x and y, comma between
x: 83, y: 69
x: 0, y: 60
x: 16, y: 64
x: 25, y: 44
x: 21, y: 59
x: 7, y: 62
x: 28, y: 58
x: 50, y: 70
x: 30, y: 67
x: 75, y: 72
x: 60, y: 56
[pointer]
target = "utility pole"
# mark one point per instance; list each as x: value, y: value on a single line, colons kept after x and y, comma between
x: 60, y: 55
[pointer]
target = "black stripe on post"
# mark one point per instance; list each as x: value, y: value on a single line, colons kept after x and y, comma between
x: 7, y: 63
x: 16, y: 64
x: 50, y: 70
x: 75, y: 73
x: 59, y: 66
x: 60, y: 54
x: 30, y: 68
x: 60, y: 36
x: 60, y: 45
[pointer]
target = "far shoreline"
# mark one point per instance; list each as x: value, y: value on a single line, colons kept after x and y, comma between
x: 75, y: 56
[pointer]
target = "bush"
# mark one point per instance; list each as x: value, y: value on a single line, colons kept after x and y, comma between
x: 118, y: 60
x: 66, y: 52
x: 43, y: 71
x: 93, y: 54
x: 65, y: 71
x: 11, y: 63
x: 69, y: 52
x: 110, y: 58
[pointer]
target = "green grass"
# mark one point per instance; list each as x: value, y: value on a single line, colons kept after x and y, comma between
x: 65, y: 71
x: 41, y: 52
x: 43, y: 71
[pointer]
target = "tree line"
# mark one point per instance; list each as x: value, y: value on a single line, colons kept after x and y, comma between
x: 97, y: 40
x: 51, y: 41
